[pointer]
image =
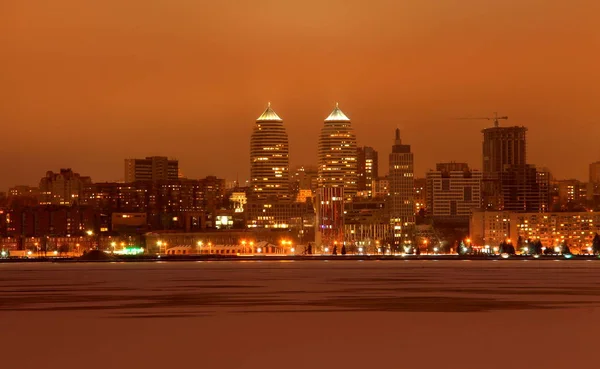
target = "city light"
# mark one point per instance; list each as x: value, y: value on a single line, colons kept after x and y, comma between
x: 89, y: 232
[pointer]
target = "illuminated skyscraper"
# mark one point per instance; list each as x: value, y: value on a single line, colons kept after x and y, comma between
x: 269, y: 157
x: 338, y: 154
x: 402, y: 183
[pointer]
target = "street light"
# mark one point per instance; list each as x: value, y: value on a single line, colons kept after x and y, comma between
x: 89, y: 232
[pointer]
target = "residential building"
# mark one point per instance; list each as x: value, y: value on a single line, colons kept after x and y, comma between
x: 577, y: 229
x: 453, y: 192
x: 152, y: 168
x: 62, y: 188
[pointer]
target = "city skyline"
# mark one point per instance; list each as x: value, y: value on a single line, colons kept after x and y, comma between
x: 475, y: 163
x: 139, y: 81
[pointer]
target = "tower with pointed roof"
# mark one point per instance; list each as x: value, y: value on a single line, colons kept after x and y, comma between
x: 269, y: 157
x: 401, y: 177
x: 338, y: 154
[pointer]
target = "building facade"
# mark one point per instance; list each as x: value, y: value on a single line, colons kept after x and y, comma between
x: 524, y: 189
x: 62, y: 188
x: 269, y: 157
x: 337, y: 154
x: 368, y: 170
x: 401, y: 179
x: 577, y: 229
x: 330, y: 216
x: 594, y: 172
x: 152, y: 168
x: 502, y: 147
x: 453, y: 192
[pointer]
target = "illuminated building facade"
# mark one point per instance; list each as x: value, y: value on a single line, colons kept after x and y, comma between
x: 279, y: 215
x: 269, y: 157
x: 552, y: 229
x: 368, y: 170
x: 402, y: 186
x: 152, y: 168
x: 330, y: 216
x: 337, y: 154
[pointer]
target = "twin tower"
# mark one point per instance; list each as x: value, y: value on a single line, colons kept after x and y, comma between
x: 269, y: 155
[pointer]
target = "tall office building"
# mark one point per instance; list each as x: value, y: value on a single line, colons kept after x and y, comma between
x: 368, y: 170
x: 152, y: 168
x: 269, y: 157
x: 453, y: 192
x: 337, y: 154
x: 401, y: 177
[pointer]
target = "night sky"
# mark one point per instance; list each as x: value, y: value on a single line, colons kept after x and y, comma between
x: 85, y: 84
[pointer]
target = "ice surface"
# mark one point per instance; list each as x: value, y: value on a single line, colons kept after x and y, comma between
x: 300, y: 314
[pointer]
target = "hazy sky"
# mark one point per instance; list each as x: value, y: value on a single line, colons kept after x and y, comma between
x: 86, y: 83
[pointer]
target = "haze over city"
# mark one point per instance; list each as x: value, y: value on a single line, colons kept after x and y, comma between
x: 84, y: 85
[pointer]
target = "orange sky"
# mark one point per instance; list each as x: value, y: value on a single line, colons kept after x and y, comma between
x: 84, y: 83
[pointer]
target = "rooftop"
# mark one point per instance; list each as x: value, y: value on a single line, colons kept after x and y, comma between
x: 337, y: 115
x: 269, y: 115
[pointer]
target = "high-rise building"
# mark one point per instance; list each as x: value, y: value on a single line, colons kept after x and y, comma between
x: 269, y: 157
x: 337, y: 154
x: 62, y: 188
x: 502, y: 147
x: 453, y: 192
x: 595, y: 172
x: 401, y: 177
x: 368, y: 170
x: 152, y: 168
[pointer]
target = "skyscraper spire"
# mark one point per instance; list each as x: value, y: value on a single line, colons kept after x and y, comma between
x: 398, y: 140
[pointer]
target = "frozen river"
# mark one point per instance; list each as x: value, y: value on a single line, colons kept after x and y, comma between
x: 301, y: 314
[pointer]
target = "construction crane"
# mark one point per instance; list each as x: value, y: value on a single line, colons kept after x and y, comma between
x: 495, y: 118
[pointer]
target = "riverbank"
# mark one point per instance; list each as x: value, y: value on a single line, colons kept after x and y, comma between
x: 179, y: 258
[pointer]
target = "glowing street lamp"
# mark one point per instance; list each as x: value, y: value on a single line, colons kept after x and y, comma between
x: 89, y: 232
